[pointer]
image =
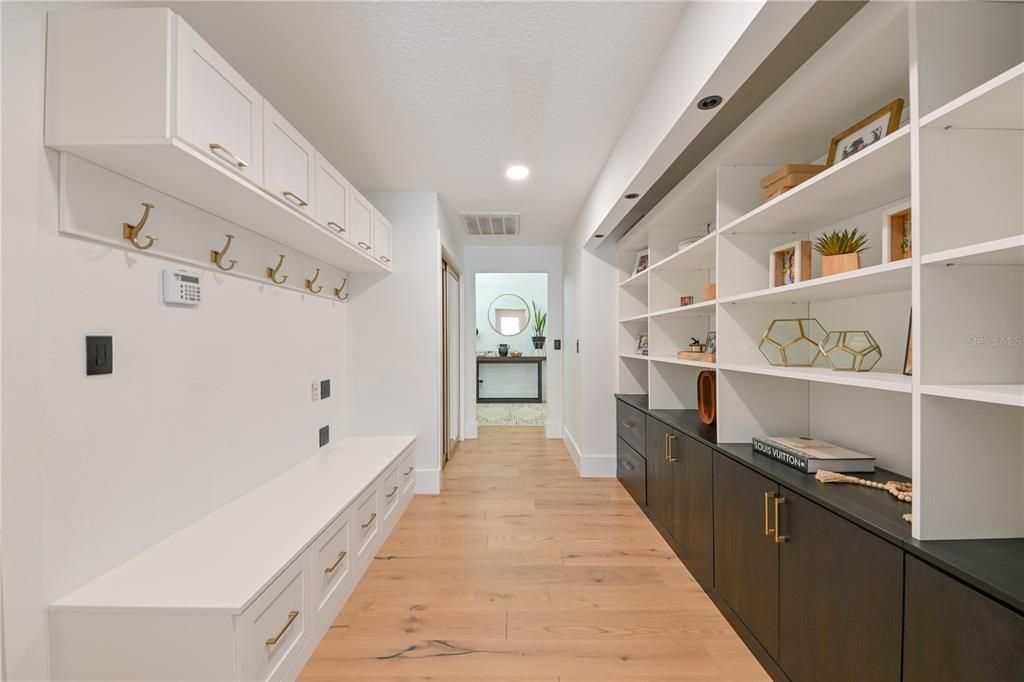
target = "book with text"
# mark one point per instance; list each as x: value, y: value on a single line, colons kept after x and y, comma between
x: 809, y: 455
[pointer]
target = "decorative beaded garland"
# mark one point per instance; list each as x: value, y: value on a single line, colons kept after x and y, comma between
x: 901, y: 490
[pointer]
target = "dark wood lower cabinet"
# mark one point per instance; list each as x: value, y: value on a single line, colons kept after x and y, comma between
x: 956, y: 634
x: 631, y: 470
x: 693, y: 511
x: 840, y: 594
x: 746, y: 559
x: 660, y: 475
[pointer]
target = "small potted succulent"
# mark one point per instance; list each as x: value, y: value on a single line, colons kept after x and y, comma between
x: 540, y: 323
x: 840, y: 251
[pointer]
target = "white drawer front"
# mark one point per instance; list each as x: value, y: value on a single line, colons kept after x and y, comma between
x: 332, y: 565
x: 407, y: 473
x: 289, y: 162
x: 272, y: 630
x: 390, y: 493
x: 366, y: 523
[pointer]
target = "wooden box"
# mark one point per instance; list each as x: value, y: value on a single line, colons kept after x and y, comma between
x: 699, y: 357
x: 786, y: 178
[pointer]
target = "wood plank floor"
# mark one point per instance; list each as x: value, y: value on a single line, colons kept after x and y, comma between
x: 521, y: 570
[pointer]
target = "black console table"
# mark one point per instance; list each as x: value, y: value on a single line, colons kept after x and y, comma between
x: 522, y: 360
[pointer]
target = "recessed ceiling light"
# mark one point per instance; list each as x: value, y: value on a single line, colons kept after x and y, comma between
x: 517, y: 172
x: 709, y: 102
x: 631, y: 196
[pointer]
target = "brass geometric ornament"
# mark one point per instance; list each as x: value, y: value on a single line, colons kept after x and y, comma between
x: 851, y: 351
x: 792, y: 342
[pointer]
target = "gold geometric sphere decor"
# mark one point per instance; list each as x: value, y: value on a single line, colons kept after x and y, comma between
x: 851, y: 351
x: 792, y: 343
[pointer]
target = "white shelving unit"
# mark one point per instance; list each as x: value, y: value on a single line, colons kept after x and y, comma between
x: 956, y: 423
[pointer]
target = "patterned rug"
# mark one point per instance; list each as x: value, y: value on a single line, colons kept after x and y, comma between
x: 512, y: 414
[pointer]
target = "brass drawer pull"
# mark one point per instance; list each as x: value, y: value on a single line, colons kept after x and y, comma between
x: 295, y: 198
x: 369, y: 521
x: 364, y: 246
x: 335, y: 226
x: 669, y: 456
x: 226, y: 154
x: 768, y: 530
x: 628, y: 425
x: 409, y: 471
x: 392, y: 493
x: 277, y: 638
x: 779, y: 539
x: 341, y: 557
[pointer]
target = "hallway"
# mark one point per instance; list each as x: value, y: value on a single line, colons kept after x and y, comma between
x: 521, y: 570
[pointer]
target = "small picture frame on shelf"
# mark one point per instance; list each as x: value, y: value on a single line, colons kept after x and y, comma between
x: 711, y: 345
x: 896, y: 233
x: 862, y: 135
x: 789, y: 264
x: 685, y: 301
x: 641, y: 344
x: 908, y: 356
x: 642, y: 261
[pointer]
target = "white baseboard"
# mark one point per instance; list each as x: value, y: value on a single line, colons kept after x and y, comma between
x: 428, y: 481
x: 588, y: 466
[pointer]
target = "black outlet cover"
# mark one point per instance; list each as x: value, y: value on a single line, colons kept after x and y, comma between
x: 325, y: 389
x: 99, y: 355
x: 558, y: 344
x: 325, y: 435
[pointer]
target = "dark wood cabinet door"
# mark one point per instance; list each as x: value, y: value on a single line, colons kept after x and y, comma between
x: 746, y: 560
x: 631, y: 470
x: 840, y: 597
x: 693, y: 527
x: 954, y: 633
x: 659, y: 475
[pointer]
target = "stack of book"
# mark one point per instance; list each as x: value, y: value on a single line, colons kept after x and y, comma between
x: 809, y: 455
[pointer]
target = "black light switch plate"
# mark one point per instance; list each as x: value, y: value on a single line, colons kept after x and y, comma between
x: 325, y: 435
x: 558, y: 344
x: 325, y: 389
x: 99, y: 355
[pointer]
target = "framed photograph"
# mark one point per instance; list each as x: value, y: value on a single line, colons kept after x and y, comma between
x: 896, y: 233
x: 862, y: 135
x: 642, y: 261
x: 789, y: 264
x: 641, y: 344
x: 908, y: 357
x: 711, y: 345
x: 685, y: 300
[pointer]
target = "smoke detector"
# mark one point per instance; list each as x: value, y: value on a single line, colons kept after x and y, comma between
x: 487, y: 224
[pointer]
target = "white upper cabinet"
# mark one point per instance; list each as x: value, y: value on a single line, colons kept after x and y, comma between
x: 361, y: 222
x: 139, y: 92
x: 381, y: 238
x: 218, y: 112
x: 333, y: 192
x: 289, y: 160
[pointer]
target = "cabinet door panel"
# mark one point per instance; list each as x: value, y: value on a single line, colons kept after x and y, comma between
x: 289, y: 160
x: 660, y: 475
x: 693, y: 527
x: 381, y: 238
x: 840, y: 598
x: 361, y: 222
x: 218, y: 111
x: 746, y: 560
x: 332, y: 197
x: 956, y: 634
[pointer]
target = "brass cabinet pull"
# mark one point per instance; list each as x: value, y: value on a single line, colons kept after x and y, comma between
x: 768, y: 530
x: 392, y: 493
x: 335, y: 226
x: 226, y: 154
x: 364, y: 246
x: 294, y: 198
x: 369, y: 521
x: 277, y: 638
x: 669, y: 439
x: 628, y: 425
x: 409, y: 471
x: 341, y: 557
x: 779, y: 539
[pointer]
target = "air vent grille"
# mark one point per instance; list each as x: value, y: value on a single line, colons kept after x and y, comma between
x: 488, y: 224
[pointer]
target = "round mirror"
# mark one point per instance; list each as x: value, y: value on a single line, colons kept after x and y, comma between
x: 509, y: 315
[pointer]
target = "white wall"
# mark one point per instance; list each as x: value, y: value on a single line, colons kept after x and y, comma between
x: 395, y: 336
x: 204, y: 404
x: 530, y: 286
x: 507, y: 259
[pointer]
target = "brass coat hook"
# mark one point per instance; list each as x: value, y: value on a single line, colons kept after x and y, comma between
x: 132, y: 232
x: 311, y: 282
x: 217, y: 257
x: 272, y: 272
x: 337, y: 292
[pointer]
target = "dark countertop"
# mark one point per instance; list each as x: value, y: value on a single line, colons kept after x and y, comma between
x: 995, y: 567
x: 498, y: 358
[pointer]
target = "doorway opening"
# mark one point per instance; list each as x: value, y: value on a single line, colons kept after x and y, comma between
x: 451, y: 323
x: 511, y: 349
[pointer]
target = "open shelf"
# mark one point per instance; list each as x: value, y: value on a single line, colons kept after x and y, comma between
x: 881, y: 381
x: 634, y: 356
x: 877, y: 279
x: 699, y: 255
x: 999, y: 394
x: 634, y: 318
x: 995, y: 105
x: 881, y: 172
x: 1006, y: 251
x: 702, y: 308
x: 668, y: 359
x: 638, y: 280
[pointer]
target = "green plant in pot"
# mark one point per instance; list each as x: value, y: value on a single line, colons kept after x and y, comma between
x: 540, y: 323
x: 840, y: 251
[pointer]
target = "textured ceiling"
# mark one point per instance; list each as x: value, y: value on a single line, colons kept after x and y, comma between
x: 443, y: 96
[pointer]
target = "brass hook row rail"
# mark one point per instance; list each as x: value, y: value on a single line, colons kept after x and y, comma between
x: 133, y: 233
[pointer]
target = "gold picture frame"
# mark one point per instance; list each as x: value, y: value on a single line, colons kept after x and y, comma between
x: 865, y: 133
